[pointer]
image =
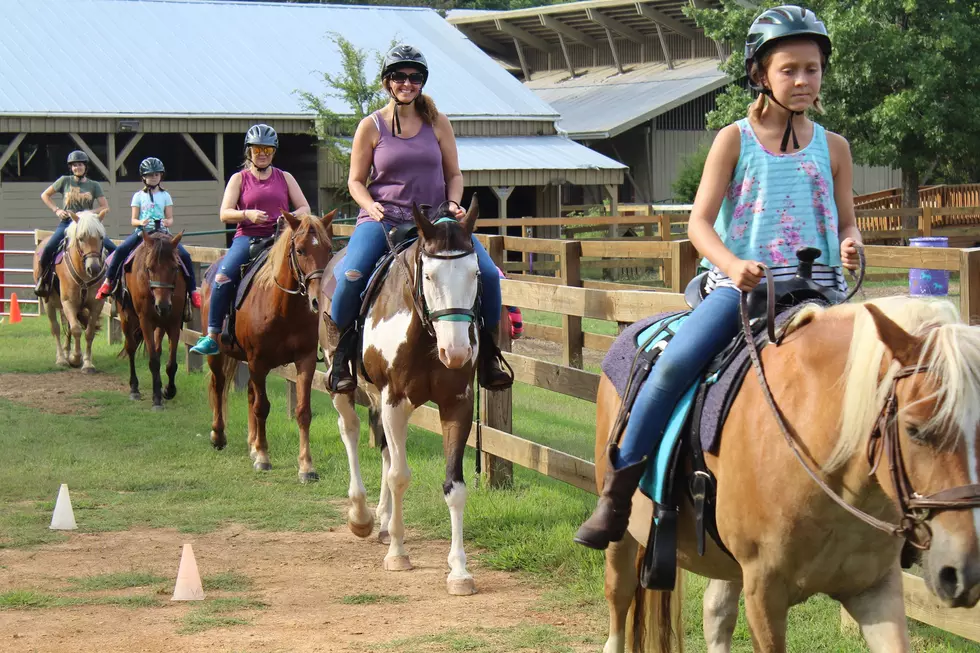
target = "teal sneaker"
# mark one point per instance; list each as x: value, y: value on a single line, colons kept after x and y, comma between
x: 206, y: 346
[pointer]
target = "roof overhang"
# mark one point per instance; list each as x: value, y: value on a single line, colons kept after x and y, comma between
x: 534, y: 161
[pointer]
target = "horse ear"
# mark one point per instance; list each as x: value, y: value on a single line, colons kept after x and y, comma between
x: 469, y: 220
x: 292, y: 220
x: 102, y: 214
x: 426, y: 228
x: 73, y: 216
x: 905, y: 347
x: 327, y: 220
x: 176, y: 239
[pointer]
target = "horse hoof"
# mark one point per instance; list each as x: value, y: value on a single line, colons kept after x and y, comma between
x: 460, y: 586
x: 218, y: 441
x: 168, y: 395
x: 261, y: 467
x: 157, y: 408
x: 397, y: 563
x: 384, y: 537
x: 88, y: 370
x: 360, y: 530
x: 135, y: 396
x: 308, y: 477
x: 74, y: 363
x: 253, y: 454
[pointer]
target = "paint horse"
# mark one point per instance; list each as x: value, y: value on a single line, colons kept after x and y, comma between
x: 410, y: 357
x: 276, y: 324
x: 78, y: 272
x: 895, y: 378
x: 153, y: 305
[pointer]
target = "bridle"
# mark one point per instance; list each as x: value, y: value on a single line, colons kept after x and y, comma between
x: 302, y: 280
x: 916, y: 509
x: 76, y: 275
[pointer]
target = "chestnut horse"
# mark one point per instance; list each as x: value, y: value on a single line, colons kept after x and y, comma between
x: 897, y: 375
x: 276, y: 325
x: 411, y: 357
x: 79, y: 273
x: 157, y: 294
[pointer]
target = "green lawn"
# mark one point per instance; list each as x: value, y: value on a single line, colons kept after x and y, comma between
x: 128, y: 467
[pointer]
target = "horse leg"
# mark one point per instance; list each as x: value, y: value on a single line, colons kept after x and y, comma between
x: 252, y: 429
x: 383, y: 512
x: 173, y: 336
x: 720, y: 614
x: 60, y: 358
x: 394, y: 416
x: 70, y: 312
x: 305, y: 369
x: 259, y: 410
x: 129, y: 326
x: 880, y: 612
x: 216, y: 395
x: 90, y: 329
x: 620, y: 587
x: 153, y: 349
x: 766, y: 608
x: 456, y: 419
x: 359, y: 519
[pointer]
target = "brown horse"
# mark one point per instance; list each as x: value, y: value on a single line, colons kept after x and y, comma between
x: 276, y: 325
x: 157, y: 293
x: 411, y: 357
x: 78, y: 273
x: 910, y: 362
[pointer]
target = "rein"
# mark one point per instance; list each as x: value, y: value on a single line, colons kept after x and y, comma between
x: 916, y: 509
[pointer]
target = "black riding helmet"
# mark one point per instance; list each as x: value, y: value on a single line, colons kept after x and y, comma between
x: 78, y: 157
x: 150, y: 165
x: 403, y: 55
x: 775, y: 25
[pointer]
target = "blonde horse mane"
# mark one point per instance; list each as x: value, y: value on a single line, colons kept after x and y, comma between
x: 89, y: 226
x: 951, y: 352
x: 266, y: 277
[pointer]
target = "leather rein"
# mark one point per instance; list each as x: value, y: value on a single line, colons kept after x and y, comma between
x: 915, y: 508
x: 302, y: 280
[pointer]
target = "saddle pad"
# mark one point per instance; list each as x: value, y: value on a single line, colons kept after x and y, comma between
x: 657, y: 472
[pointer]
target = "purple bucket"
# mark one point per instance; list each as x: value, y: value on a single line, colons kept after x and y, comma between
x: 929, y: 283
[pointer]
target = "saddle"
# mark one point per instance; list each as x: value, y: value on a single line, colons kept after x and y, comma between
x: 258, y: 254
x: 677, y: 469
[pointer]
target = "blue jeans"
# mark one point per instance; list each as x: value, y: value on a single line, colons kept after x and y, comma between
x: 703, y: 336
x: 366, y: 246
x: 47, y: 254
x: 223, y: 293
x: 132, y: 242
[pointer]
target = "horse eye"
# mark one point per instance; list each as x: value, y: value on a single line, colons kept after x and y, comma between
x: 301, y: 251
x: 914, y: 433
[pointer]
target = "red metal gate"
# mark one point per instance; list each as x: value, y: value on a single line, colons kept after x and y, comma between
x: 16, y: 272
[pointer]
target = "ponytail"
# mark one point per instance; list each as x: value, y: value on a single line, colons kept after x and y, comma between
x: 426, y: 107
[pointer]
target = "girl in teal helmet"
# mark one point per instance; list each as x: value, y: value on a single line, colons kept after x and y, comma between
x: 773, y: 183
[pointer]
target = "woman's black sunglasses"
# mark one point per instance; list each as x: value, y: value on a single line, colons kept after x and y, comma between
x: 400, y: 76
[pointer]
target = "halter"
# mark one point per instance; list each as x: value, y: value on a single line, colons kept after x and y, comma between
x: 75, y: 275
x: 302, y: 280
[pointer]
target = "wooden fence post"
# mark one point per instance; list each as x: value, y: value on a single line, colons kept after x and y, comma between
x: 927, y: 220
x: 113, y: 329
x: 193, y: 362
x: 683, y: 263
x: 571, y: 325
x: 290, y: 399
x: 663, y: 227
x: 970, y: 284
x: 496, y: 407
x: 241, y: 376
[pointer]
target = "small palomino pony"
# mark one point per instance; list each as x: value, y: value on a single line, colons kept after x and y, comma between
x: 78, y: 274
x: 410, y: 357
x: 276, y: 324
x: 897, y: 378
x: 154, y: 306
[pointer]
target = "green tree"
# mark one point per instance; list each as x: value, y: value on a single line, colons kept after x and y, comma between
x: 903, y: 85
x: 688, y: 179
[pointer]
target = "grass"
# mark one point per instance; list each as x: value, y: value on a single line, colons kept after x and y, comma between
x: 129, y: 468
x: 371, y: 599
x: 117, y: 581
x: 524, y: 637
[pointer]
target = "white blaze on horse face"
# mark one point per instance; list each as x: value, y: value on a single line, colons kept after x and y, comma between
x: 451, y: 283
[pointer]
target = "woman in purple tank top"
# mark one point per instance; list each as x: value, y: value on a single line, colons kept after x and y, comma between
x: 408, y: 151
x: 254, y: 199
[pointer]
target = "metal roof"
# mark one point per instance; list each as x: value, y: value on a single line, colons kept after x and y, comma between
x: 530, y: 153
x: 601, y: 104
x: 204, y: 62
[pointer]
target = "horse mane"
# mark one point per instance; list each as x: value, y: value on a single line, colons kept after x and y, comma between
x: 157, y: 242
x: 951, y: 352
x: 88, y: 226
x: 279, y: 254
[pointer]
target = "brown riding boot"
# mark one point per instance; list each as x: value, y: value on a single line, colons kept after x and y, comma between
x: 490, y: 372
x: 612, y: 514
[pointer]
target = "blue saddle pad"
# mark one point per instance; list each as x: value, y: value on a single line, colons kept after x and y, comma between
x: 654, y: 478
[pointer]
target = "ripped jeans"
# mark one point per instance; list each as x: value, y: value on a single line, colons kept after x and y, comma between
x: 367, y: 245
x: 223, y: 292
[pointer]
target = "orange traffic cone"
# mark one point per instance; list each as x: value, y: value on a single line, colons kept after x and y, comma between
x: 14, y: 309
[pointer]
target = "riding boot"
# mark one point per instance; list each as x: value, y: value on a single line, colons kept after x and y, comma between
x: 341, y: 377
x: 612, y: 514
x: 43, y: 286
x: 491, y: 373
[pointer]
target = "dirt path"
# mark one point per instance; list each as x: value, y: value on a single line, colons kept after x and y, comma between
x: 301, y: 578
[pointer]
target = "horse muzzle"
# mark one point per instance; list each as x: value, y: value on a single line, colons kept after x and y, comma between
x: 455, y: 357
x: 951, y: 572
x: 162, y: 309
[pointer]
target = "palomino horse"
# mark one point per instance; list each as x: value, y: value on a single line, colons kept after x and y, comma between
x: 155, y: 305
x: 411, y: 356
x: 897, y: 375
x: 276, y: 325
x: 79, y: 273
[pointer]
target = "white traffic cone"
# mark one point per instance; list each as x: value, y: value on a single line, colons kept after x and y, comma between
x: 63, y: 518
x: 188, y: 587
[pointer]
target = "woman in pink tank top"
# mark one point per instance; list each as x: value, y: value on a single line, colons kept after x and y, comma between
x: 408, y: 150
x: 254, y: 199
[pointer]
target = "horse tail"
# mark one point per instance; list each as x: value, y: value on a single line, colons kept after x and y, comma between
x: 653, y: 614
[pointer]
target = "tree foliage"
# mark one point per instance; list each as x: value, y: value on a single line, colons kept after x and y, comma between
x: 688, y: 179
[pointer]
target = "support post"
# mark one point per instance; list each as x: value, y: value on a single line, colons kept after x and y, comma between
x: 970, y: 285
x: 502, y: 193
x: 926, y: 221
x: 202, y: 157
x: 113, y: 330
x: 96, y: 161
x: 613, y: 191
x: 241, y: 376
x: 571, y: 325
x: 683, y: 264
x: 193, y: 362
x: 497, y: 407
x: 290, y: 399
x: 11, y: 148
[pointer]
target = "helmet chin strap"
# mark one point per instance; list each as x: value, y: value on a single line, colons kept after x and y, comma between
x: 396, y: 123
x: 790, y: 128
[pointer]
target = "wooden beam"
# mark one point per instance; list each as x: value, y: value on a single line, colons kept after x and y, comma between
x: 535, y: 42
x: 202, y: 156
x: 569, y: 31
x: 91, y: 155
x: 128, y: 149
x: 564, y: 51
x: 615, y: 52
x: 663, y: 46
x: 11, y: 148
x: 661, y: 18
x: 922, y: 605
x: 520, y: 56
x: 614, y: 25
